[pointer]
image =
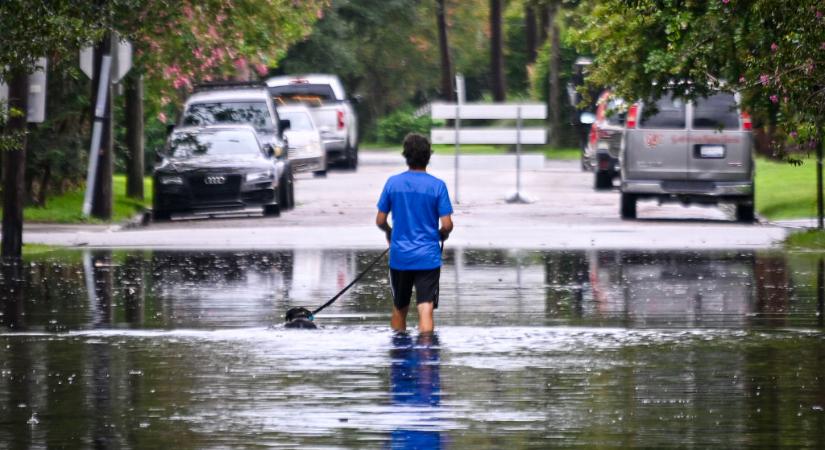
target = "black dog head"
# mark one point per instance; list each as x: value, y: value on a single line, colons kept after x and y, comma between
x: 299, y: 318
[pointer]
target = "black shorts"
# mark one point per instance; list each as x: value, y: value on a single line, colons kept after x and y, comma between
x: 425, y: 282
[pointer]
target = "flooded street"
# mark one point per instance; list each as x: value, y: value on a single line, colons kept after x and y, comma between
x: 608, y: 348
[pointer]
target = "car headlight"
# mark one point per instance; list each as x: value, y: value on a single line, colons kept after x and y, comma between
x: 258, y: 176
x: 171, y: 179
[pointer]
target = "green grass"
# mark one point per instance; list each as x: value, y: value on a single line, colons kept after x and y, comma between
x: 38, y: 249
x: 784, y: 191
x: 808, y: 240
x: 67, y: 208
x: 481, y: 149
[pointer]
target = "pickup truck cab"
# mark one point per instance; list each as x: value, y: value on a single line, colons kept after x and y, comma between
x: 332, y: 111
x: 688, y: 151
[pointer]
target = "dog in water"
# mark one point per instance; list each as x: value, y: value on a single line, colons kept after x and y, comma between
x: 300, y: 318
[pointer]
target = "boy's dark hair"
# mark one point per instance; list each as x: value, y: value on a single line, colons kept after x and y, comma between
x: 417, y: 151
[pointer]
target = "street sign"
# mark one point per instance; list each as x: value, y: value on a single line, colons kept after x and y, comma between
x: 121, y: 60
x: 37, y: 94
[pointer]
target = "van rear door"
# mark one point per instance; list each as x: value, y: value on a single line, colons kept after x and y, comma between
x: 657, y: 148
x: 719, y: 149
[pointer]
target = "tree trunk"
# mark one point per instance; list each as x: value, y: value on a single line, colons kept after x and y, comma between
x: 45, y: 179
x: 134, y: 136
x: 554, y: 91
x: 544, y: 24
x: 496, y: 53
x: 102, y: 197
x: 14, y: 167
x: 444, y: 50
x: 530, y: 32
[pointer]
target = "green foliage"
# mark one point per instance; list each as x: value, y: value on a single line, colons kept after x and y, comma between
x: 806, y: 240
x: 392, y: 128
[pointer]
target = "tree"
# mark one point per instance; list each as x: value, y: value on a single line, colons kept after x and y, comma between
x: 496, y: 53
x: 28, y: 31
x: 444, y: 53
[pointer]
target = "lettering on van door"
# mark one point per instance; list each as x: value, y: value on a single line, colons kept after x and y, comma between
x: 652, y: 140
x: 706, y: 139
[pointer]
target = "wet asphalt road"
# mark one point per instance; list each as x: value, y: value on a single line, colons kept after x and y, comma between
x: 338, y: 211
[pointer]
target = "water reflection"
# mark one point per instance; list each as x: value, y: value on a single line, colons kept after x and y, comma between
x: 158, y: 349
x: 416, y: 389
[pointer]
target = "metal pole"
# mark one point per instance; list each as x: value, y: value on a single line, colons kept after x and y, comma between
x: 97, y: 132
x: 819, y: 201
x: 457, y: 148
x: 518, y: 153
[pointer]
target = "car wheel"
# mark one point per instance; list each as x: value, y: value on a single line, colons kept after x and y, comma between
x: 745, y: 213
x: 291, y: 196
x: 602, y: 180
x: 628, y: 208
x: 161, y: 215
x: 273, y: 210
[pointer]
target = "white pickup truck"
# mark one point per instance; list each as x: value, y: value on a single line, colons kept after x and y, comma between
x: 332, y: 111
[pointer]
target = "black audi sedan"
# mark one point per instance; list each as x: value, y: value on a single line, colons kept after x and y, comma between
x: 218, y: 168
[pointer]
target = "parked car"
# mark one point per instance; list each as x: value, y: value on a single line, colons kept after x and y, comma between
x: 217, y: 167
x: 332, y: 110
x: 242, y: 103
x: 605, y: 140
x: 306, y: 150
x: 688, y: 151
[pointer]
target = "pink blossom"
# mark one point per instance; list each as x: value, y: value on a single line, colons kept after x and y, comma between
x: 774, y: 99
x: 726, y: 1
x: 794, y: 134
x: 187, y: 11
x: 764, y: 79
x: 742, y: 79
x: 819, y: 14
x: 165, y: 100
x: 162, y: 117
x: 261, y: 69
x: 774, y: 47
x: 240, y: 63
x: 180, y: 82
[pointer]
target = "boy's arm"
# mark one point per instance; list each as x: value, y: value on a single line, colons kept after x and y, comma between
x: 381, y: 222
x: 446, y: 227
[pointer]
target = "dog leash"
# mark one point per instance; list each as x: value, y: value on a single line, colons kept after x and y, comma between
x: 360, y: 275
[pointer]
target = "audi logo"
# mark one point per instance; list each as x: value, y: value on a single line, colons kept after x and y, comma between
x: 214, y: 180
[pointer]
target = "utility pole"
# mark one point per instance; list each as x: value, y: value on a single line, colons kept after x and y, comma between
x: 497, y: 53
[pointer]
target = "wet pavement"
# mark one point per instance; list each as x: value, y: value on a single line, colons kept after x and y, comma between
x: 534, y: 349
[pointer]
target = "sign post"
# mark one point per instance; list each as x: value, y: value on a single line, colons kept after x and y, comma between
x: 460, y: 97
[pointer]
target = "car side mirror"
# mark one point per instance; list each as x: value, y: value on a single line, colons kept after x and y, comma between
x: 586, y: 118
x: 170, y: 127
x: 285, y: 124
x: 355, y: 99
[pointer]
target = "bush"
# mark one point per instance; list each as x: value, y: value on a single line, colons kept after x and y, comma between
x: 391, y: 129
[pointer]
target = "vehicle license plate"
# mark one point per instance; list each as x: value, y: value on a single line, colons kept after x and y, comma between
x: 712, y: 151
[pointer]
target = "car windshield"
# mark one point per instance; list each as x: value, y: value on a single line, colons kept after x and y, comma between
x: 716, y: 112
x: 668, y: 113
x: 209, y: 113
x: 298, y: 121
x: 235, y: 143
x: 309, y: 94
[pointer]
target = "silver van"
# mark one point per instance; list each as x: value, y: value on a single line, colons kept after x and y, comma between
x: 690, y: 152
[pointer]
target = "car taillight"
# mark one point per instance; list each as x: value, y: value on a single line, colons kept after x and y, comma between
x: 632, y: 114
x: 340, y: 119
x: 746, y: 121
x: 593, y: 135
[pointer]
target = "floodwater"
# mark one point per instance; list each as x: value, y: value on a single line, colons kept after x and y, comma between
x: 534, y: 349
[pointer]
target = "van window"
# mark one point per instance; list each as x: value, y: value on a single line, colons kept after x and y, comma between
x: 669, y: 113
x: 716, y: 112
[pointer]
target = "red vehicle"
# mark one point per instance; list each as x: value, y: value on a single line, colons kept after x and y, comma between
x: 601, y: 154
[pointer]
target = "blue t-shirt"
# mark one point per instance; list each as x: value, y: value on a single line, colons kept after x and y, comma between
x: 416, y: 201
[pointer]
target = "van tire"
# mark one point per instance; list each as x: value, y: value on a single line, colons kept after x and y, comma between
x: 273, y: 210
x: 745, y: 213
x: 628, y: 207
x: 602, y: 180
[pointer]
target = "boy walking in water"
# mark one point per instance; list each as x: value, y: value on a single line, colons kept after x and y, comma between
x: 417, y: 201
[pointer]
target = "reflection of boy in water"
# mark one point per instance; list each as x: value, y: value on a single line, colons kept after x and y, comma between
x: 415, y: 381
x: 418, y: 201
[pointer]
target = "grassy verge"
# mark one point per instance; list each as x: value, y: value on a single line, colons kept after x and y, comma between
x: 784, y: 191
x: 808, y: 240
x: 67, y: 208
x: 480, y: 149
